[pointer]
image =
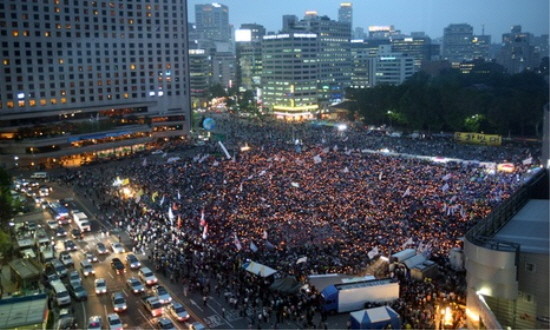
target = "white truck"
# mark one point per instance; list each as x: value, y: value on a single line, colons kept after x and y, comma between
x: 347, y: 297
x: 82, y: 221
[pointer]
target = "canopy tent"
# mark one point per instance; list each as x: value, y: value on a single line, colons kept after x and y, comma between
x: 414, y: 261
x: 287, y: 285
x: 259, y: 269
x: 375, y: 318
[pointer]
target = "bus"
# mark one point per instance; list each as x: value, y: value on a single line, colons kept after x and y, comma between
x: 59, y: 213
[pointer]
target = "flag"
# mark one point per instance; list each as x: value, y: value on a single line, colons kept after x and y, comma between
x: 408, y: 242
x: 179, y: 195
x: 295, y: 185
x: 373, y: 253
x: 205, y: 232
x: 346, y: 170
x: 335, y: 148
x: 262, y: 173
x: 154, y: 196
x: 323, y: 140
x: 144, y: 162
x: 161, y: 200
x: 253, y: 246
x: 170, y: 215
x: 264, y: 235
x: 349, y: 152
x: 380, y: 176
x: 317, y: 159
x: 180, y: 221
x: 528, y: 161
x: 301, y: 260
x: 326, y: 150
x: 237, y: 243
x: 215, y: 163
x: 202, y: 221
x: 445, y: 187
x: 407, y: 192
x: 241, y: 187
x: 447, y: 177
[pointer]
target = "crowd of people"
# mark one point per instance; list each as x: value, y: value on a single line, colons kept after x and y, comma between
x: 301, y: 191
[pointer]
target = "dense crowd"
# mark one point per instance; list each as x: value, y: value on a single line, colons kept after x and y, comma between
x: 301, y: 192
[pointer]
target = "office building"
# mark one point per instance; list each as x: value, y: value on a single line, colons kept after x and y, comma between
x: 391, y: 68
x: 345, y: 13
x: 419, y: 47
x: 249, y: 56
x: 517, y: 53
x: 363, y: 55
x: 457, y: 42
x: 288, y: 23
x: 83, y: 80
x: 200, y: 74
x: 481, y: 45
x: 290, y: 75
x: 212, y: 21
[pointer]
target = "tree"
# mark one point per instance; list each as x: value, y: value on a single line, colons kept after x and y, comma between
x: 6, y: 200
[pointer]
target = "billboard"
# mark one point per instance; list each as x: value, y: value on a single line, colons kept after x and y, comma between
x: 479, y: 138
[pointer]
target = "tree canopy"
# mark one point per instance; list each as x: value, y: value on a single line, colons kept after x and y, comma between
x: 485, y: 100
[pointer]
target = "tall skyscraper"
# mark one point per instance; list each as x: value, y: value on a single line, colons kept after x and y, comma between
x: 345, y: 13
x: 249, y: 56
x: 457, y: 42
x: 81, y: 80
x: 290, y: 74
x: 517, y: 52
x: 212, y: 21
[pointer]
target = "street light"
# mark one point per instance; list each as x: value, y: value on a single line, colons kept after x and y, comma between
x: 390, y: 113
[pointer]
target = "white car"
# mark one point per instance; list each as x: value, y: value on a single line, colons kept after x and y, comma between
x: 100, y: 286
x: 162, y: 295
x: 66, y: 259
x: 94, y: 322
x: 147, y: 276
x: 119, y: 302
x: 114, y: 322
x: 52, y: 224
x: 178, y: 312
x: 117, y: 248
x: 135, y: 285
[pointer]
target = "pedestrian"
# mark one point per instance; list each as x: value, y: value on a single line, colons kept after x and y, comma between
x: 204, y: 300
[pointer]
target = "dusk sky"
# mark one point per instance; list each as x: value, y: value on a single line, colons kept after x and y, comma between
x: 430, y: 16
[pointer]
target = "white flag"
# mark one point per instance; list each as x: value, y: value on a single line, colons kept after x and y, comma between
x: 295, y: 185
x: 253, y: 246
x: 301, y: 260
x: 380, y: 176
x: 237, y: 243
x: 170, y: 214
x: 445, y: 187
x: 528, y: 161
x: 144, y: 162
x: 335, y: 148
x: 326, y: 150
x: 346, y: 170
x: 215, y: 163
x: 179, y: 195
x: 202, y: 221
x: 262, y: 173
x: 161, y: 200
x: 241, y: 187
x: 407, y: 192
x: 408, y: 242
x: 317, y: 159
x: 264, y: 235
x: 205, y: 232
x: 373, y: 253
x: 447, y: 177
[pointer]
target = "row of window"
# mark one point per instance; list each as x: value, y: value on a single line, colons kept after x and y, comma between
x: 68, y: 34
x: 82, y: 99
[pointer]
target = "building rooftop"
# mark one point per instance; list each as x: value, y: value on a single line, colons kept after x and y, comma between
x: 529, y: 227
x: 22, y: 311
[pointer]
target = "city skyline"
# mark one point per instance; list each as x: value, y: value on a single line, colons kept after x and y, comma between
x: 430, y: 16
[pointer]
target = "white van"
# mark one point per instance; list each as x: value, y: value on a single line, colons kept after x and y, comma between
x: 60, y: 292
x: 82, y: 221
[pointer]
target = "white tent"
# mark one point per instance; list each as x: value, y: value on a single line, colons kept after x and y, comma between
x: 259, y: 269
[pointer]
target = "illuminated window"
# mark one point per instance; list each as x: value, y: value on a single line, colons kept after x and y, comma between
x: 132, y: 66
x: 32, y: 103
x: 15, y: 33
x: 9, y: 104
x: 6, y: 61
x: 60, y: 61
x: 43, y: 101
x: 26, y: 33
x: 21, y: 103
x: 63, y: 100
x: 126, y: 95
x: 53, y: 101
x: 47, y: 34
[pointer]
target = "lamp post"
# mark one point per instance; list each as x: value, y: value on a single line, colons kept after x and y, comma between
x: 390, y: 113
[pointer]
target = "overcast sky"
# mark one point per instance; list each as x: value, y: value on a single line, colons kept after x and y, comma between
x: 429, y: 16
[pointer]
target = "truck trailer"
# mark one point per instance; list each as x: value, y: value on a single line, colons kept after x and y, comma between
x: 347, y: 297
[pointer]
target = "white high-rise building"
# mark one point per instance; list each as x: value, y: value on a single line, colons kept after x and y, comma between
x: 391, y: 68
x: 82, y: 80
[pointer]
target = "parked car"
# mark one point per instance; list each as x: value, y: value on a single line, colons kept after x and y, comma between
x: 90, y: 256
x: 74, y: 278
x: 60, y: 232
x: 86, y: 268
x: 76, y: 233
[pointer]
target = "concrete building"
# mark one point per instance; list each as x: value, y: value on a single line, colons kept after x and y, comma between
x: 518, y: 53
x: 81, y: 81
x: 457, y: 42
x: 345, y: 13
x: 200, y: 75
x: 249, y: 56
x: 290, y: 75
x: 390, y: 67
x: 419, y: 47
x: 288, y: 23
x: 507, y: 262
x: 212, y: 21
x: 363, y: 56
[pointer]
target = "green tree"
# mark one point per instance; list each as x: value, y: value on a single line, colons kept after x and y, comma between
x: 6, y: 200
x: 5, y: 243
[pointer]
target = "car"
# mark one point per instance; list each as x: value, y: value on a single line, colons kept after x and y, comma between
x: 132, y: 261
x: 147, y: 276
x: 162, y: 295
x: 118, y: 266
x: 101, y: 249
x: 100, y: 286
x: 74, y: 277
x: 44, y: 205
x: 31, y: 226
x: 70, y: 245
x: 114, y: 322
x: 59, y: 267
x: 86, y: 268
x: 49, y: 275
x: 90, y: 256
x: 52, y: 224
x: 164, y: 323
x: 117, y: 247
x: 66, y: 258
x: 78, y: 291
x: 196, y: 326
x: 95, y: 322
x: 178, y: 312
x: 76, y: 233
x: 60, y: 232
x: 119, y: 302
x: 135, y: 285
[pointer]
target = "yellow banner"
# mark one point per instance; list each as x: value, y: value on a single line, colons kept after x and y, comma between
x: 478, y: 138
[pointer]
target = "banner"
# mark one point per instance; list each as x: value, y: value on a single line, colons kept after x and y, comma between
x: 478, y: 138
